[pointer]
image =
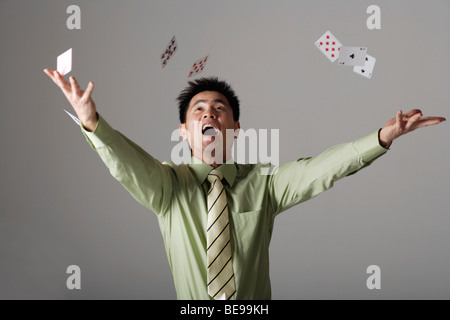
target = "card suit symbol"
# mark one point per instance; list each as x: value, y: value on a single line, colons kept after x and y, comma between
x: 352, y: 56
x: 362, y: 70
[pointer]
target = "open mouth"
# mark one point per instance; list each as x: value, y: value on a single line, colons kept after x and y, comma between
x: 209, y: 130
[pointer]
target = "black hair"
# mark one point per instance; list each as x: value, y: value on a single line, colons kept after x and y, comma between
x: 207, y: 84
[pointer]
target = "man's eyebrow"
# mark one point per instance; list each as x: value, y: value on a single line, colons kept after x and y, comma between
x: 215, y: 101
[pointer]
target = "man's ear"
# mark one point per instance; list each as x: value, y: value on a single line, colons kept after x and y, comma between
x: 183, y: 131
x: 237, y: 129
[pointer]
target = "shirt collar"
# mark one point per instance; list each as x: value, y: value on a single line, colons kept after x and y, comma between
x: 201, y: 170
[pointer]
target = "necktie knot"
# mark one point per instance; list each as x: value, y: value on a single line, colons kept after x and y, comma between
x: 215, y: 175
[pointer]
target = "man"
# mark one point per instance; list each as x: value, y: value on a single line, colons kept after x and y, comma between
x: 216, y: 216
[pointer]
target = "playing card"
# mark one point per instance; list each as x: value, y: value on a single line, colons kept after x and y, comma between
x: 64, y: 62
x: 169, y: 52
x: 77, y: 121
x: 329, y: 45
x: 198, y: 66
x: 367, y: 69
x: 352, y: 56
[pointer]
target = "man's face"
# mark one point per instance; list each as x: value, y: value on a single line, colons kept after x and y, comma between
x: 208, y: 116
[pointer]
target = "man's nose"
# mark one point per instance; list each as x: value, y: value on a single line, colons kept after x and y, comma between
x: 209, y: 115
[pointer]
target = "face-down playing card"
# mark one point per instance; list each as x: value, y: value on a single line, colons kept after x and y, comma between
x: 329, y: 45
x: 198, y: 66
x: 64, y: 62
x: 169, y: 51
x: 77, y: 121
x: 352, y: 56
x: 367, y: 69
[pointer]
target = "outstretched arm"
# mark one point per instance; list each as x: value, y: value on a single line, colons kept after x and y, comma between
x: 147, y: 179
x: 80, y: 100
x: 300, y: 180
x: 405, y: 123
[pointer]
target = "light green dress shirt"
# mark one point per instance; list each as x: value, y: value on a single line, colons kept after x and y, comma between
x: 177, y: 194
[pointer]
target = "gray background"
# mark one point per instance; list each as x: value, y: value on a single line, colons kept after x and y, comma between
x: 59, y: 206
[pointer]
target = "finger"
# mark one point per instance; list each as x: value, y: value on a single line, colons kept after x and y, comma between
x: 88, y: 91
x: 429, y: 121
x: 413, y: 112
x: 398, y: 117
x: 75, y: 87
x: 425, y: 122
x: 434, y: 118
x: 62, y: 83
x: 412, y: 121
x: 50, y: 74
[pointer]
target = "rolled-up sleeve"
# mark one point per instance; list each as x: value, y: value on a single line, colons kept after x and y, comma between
x: 301, y: 180
x: 148, y: 180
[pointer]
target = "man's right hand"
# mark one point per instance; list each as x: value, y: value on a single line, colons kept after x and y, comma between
x: 80, y: 100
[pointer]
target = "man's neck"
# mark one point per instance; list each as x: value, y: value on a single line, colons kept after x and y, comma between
x: 211, y: 161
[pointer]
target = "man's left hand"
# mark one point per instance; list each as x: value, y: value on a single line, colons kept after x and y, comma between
x: 404, y: 123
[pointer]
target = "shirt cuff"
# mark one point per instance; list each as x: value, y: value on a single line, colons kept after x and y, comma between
x: 102, y: 134
x: 369, y: 147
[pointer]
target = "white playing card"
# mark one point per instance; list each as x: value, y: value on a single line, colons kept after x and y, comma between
x: 169, y: 52
x: 77, y: 121
x: 64, y: 62
x: 329, y: 45
x: 352, y: 56
x: 367, y: 69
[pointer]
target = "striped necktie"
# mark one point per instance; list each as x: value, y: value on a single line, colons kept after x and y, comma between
x: 218, y: 253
